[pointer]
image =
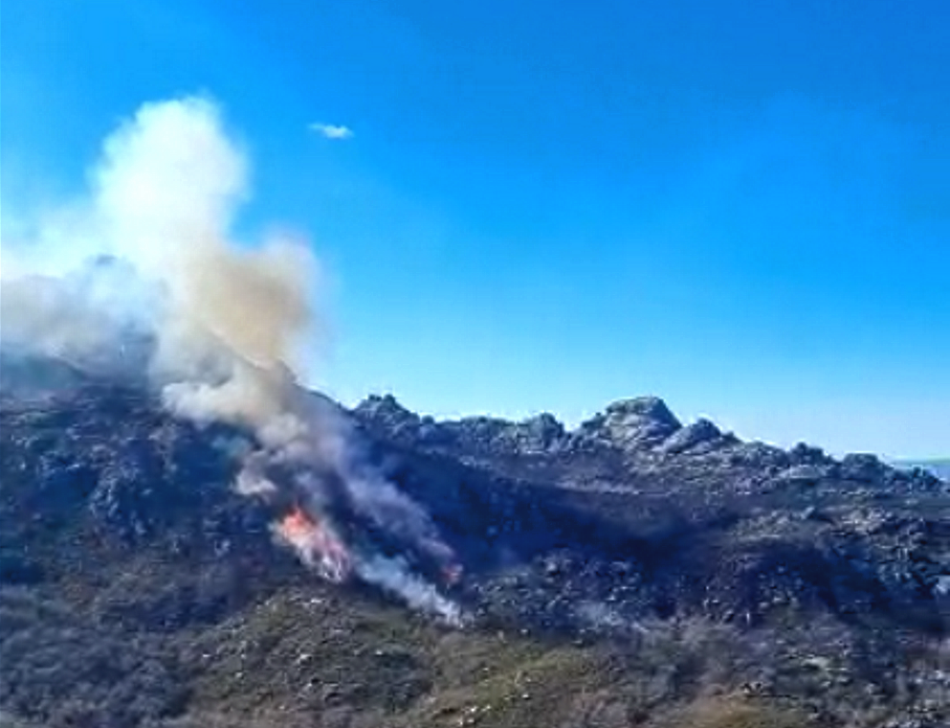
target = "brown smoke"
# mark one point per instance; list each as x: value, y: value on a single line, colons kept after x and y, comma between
x: 227, y: 321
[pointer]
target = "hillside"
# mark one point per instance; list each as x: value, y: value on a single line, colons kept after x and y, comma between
x: 634, y: 571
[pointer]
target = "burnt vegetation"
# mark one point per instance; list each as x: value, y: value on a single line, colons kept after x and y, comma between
x: 634, y: 571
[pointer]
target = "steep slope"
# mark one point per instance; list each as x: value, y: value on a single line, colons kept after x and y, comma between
x: 702, y: 518
x: 633, y: 571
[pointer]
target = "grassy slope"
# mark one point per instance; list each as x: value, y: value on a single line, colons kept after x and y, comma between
x: 306, y: 652
x: 299, y: 653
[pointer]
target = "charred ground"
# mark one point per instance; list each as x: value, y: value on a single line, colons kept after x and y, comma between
x: 633, y: 571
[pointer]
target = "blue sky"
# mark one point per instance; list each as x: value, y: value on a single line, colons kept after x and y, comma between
x: 741, y: 207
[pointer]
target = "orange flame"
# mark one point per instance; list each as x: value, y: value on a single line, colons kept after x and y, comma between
x: 297, y: 523
x: 317, y: 544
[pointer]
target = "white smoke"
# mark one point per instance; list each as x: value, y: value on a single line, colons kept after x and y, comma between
x: 226, y: 320
x: 394, y: 575
x: 165, y: 196
x: 34, y: 308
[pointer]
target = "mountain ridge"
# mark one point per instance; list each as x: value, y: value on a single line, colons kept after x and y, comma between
x: 641, y: 431
x: 938, y: 466
x: 624, y: 569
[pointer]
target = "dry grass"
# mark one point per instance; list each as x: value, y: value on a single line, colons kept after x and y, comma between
x: 730, y: 712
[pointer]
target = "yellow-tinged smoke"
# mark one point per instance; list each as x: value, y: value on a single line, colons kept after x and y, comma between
x: 166, y: 194
x: 225, y: 320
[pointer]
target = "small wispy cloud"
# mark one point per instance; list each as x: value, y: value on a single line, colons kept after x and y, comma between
x: 332, y: 131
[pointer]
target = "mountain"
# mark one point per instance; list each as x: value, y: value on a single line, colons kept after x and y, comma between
x: 939, y: 467
x: 632, y: 571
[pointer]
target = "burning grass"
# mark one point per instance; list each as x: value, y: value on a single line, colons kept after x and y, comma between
x: 317, y: 543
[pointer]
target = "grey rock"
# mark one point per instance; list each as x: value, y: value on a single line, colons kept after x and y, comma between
x: 693, y: 435
x: 863, y: 467
x: 805, y: 474
x: 632, y: 424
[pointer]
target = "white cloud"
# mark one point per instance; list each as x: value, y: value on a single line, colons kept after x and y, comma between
x: 333, y: 131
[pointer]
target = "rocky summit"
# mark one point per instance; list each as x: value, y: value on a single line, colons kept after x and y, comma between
x: 633, y: 571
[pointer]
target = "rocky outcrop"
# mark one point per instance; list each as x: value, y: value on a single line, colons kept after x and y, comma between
x: 633, y: 424
x: 719, y: 525
x: 700, y: 434
x: 632, y: 442
x: 630, y: 521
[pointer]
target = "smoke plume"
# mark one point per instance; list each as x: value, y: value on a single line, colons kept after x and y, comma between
x: 153, y: 254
